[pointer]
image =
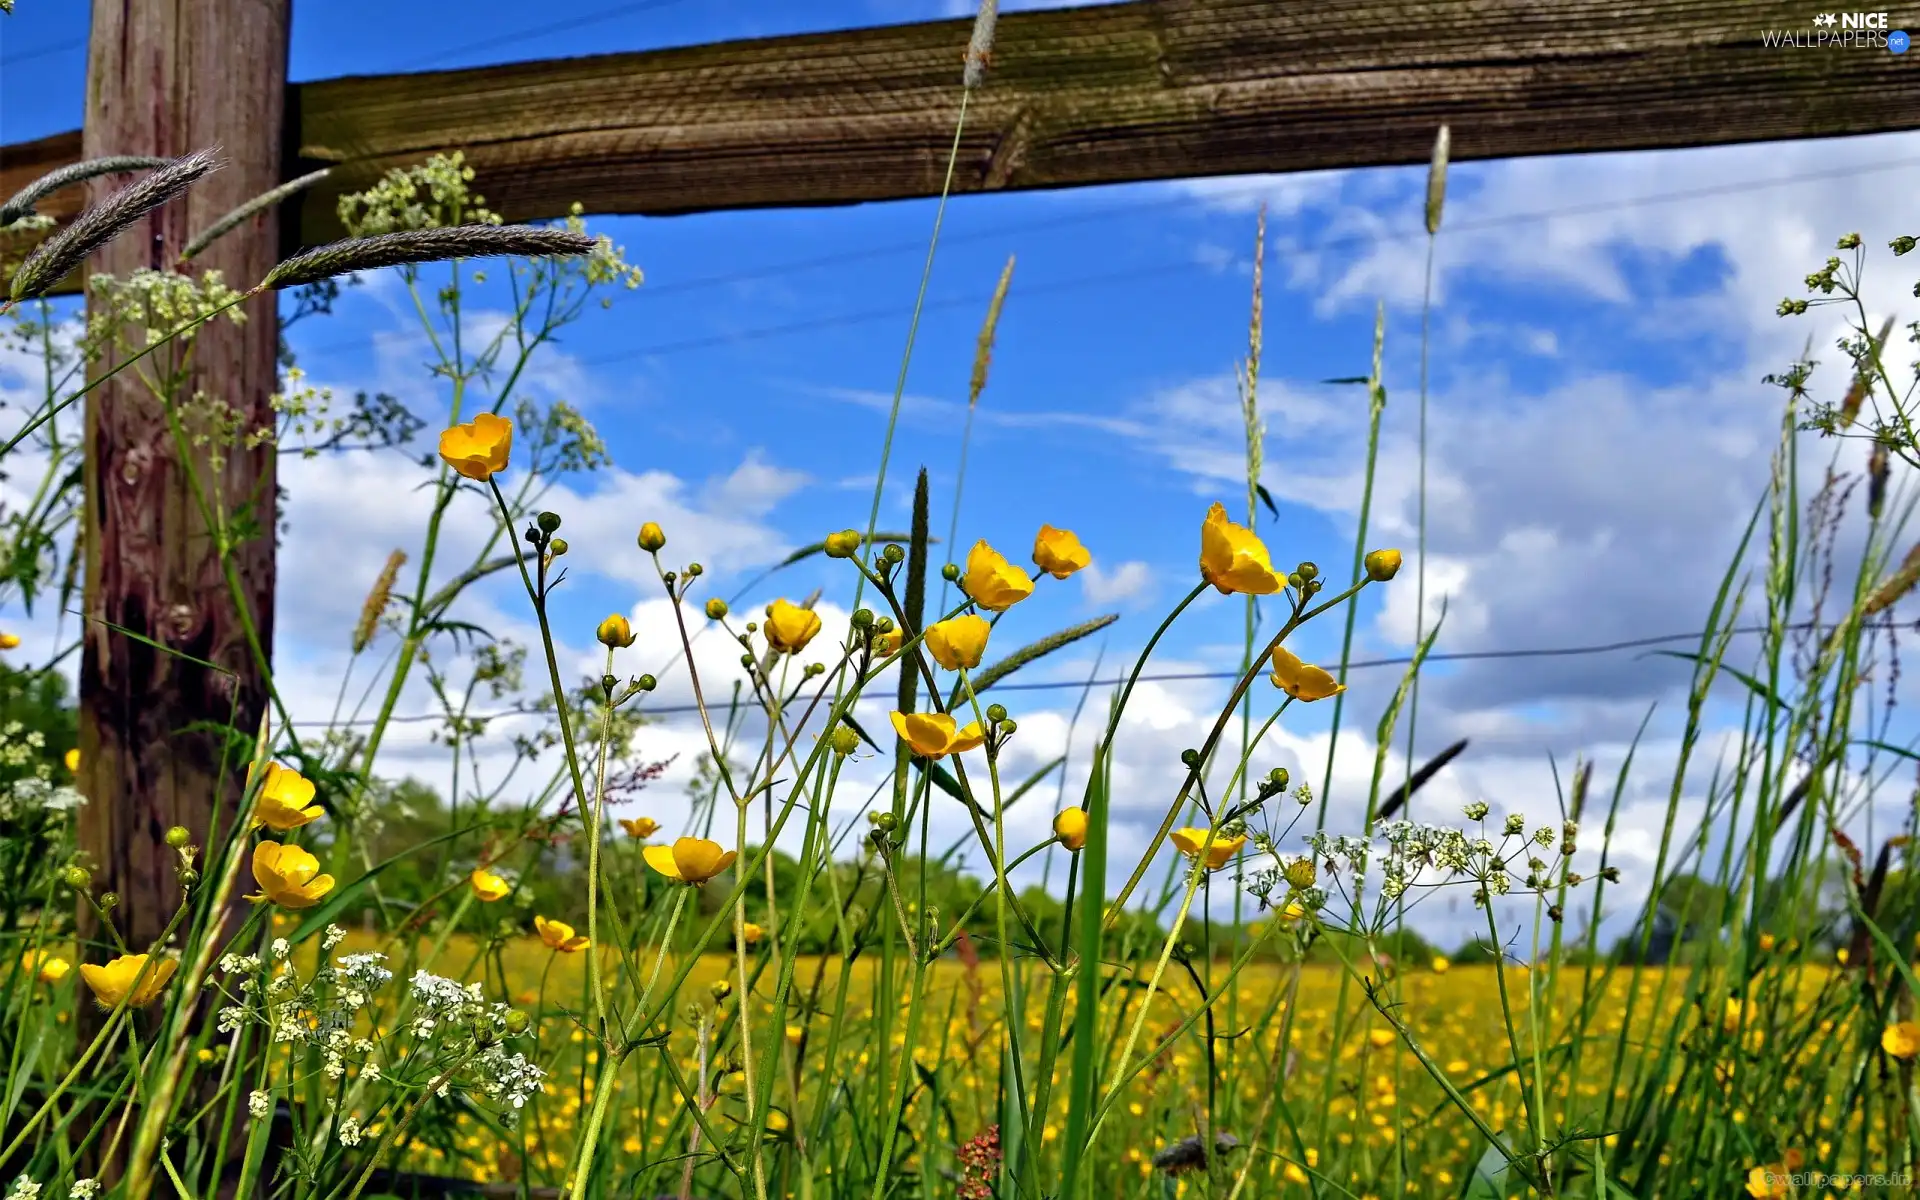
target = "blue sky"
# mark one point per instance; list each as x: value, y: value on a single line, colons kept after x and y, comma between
x: 1598, y: 428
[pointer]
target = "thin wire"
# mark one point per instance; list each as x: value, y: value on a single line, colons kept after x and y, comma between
x: 1133, y: 274
x: 508, y: 39
x: 1190, y: 676
x: 43, y: 51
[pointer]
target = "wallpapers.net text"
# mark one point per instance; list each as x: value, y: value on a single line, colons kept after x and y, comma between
x: 1825, y: 39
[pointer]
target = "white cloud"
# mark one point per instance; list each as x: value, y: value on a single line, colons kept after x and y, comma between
x: 1130, y: 581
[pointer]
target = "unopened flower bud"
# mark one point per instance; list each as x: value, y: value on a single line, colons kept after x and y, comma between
x: 109, y: 899
x: 615, y: 632
x: 77, y: 877
x: 843, y: 544
x: 1190, y: 758
x: 1307, y: 571
x: 721, y: 989
x: 651, y: 538
x: 187, y: 876
x: 862, y: 618
x: 558, y: 546
x: 1382, y: 565
x: 1902, y: 245
x: 950, y: 572
x: 178, y: 836
x: 996, y: 712
x: 716, y: 609
x: 1008, y: 728
x: 695, y: 570
x: 1301, y: 874
x: 845, y: 741
x: 548, y: 521
x: 894, y: 554
x: 646, y: 683
x: 518, y: 1022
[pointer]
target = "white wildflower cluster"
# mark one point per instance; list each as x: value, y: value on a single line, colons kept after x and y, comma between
x: 259, y: 1104
x: 28, y: 788
x: 23, y: 1189
x: 83, y: 1189
x: 507, y: 1075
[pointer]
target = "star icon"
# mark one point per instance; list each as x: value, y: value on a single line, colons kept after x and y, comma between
x: 1826, y: 19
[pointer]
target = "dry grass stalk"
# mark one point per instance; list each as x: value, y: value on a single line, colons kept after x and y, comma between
x: 1437, y: 178
x: 983, y: 351
x: 377, y: 601
x: 980, y: 45
x: 422, y: 246
x: 97, y: 226
x: 21, y: 203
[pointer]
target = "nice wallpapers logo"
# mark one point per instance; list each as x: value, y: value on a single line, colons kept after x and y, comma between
x: 1841, y: 31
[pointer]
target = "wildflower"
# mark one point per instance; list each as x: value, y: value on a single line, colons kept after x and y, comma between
x: 1841, y: 955
x: 1441, y: 964
x: 651, y: 539
x: 991, y: 581
x: 1382, y: 565
x: 751, y: 933
x: 888, y: 644
x: 1301, y: 874
x: 9, y: 641
x: 844, y: 544
x: 1774, y: 1179
x: 478, y: 449
x: 958, y: 643
x: 790, y: 627
x: 46, y: 966
x: 487, y: 886
x: 558, y: 935
x: 110, y: 984
x: 24, y: 1189
x: 1303, y: 681
x: 1189, y: 841
x: 1766, y: 943
x: 615, y: 633
x: 83, y: 1189
x: 1380, y: 1038
x: 1071, y: 827
x: 1901, y: 1040
x: 932, y: 735
x: 73, y: 764
x: 795, y: 1034
x: 1730, y: 1018
x: 286, y: 800
x: 1058, y: 552
x: 288, y: 876
x: 690, y: 860
x: 640, y: 827
x: 716, y: 609
x: 1232, y: 559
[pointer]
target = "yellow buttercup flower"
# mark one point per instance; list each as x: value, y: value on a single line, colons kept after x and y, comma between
x: 651, y: 538
x: 1302, y: 681
x: 286, y: 800
x: 887, y: 644
x: 991, y: 581
x: 73, y: 760
x: 958, y: 642
x: 1766, y: 942
x: 558, y: 935
x: 1232, y: 559
x: 751, y: 933
x: 1189, y: 841
x: 690, y: 860
x: 640, y: 827
x: 1382, y: 565
x: 615, y: 633
x: 9, y: 641
x: 1440, y: 964
x: 478, y: 449
x: 1381, y: 1038
x: 1071, y: 827
x: 789, y: 627
x: 1902, y: 1039
x: 933, y: 735
x: 288, y: 876
x: 113, y: 982
x: 487, y: 886
x: 1058, y: 552
x: 45, y: 965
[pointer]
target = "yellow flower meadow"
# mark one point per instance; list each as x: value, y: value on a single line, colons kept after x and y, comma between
x: 113, y: 982
x: 933, y: 735
x: 1071, y: 827
x: 789, y: 627
x: 478, y: 449
x: 1058, y: 552
x: 959, y: 642
x: 487, y: 886
x: 690, y: 860
x: 1189, y: 841
x: 1302, y: 681
x: 288, y: 876
x: 286, y: 800
x: 559, y: 936
x: 991, y: 581
x: 1232, y: 559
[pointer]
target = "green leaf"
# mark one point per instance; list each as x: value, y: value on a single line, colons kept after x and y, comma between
x: 1266, y: 498
x: 1758, y: 688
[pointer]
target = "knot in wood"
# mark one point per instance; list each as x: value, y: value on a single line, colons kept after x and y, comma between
x: 181, y: 620
x: 135, y: 464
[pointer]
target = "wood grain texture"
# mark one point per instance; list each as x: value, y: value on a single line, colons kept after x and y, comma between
x: 1153, y: 89
x: 166, y: 77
